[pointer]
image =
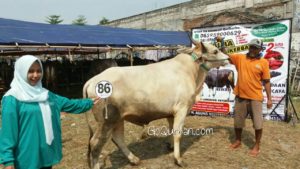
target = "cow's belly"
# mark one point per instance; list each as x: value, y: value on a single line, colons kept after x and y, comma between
x: 141, y: 118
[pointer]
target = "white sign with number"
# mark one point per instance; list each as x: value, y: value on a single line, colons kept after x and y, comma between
x: 104, y: 89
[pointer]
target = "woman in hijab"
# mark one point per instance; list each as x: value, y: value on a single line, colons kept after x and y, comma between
x: 30, y: 137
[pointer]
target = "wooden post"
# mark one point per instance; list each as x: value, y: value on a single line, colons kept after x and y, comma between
x: 131, y: 54
x: 295, y: 75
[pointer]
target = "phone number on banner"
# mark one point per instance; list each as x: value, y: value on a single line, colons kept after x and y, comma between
x: 215, y: 34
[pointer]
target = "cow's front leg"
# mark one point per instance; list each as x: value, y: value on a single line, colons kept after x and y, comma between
x: 145, y: 133
x: 118, y: 138
x: 177, y: 131
x: 214, y: 91
x: 229, y: 92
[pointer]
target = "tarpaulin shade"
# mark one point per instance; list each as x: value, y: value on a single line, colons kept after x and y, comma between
x: 28, y: 33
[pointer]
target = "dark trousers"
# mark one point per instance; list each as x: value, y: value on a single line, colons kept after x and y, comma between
x: 46, y: 167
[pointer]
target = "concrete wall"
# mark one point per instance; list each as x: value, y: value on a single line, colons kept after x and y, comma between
x: 186, y: 15
x: 295, y: 42
x: 296, y: 19
x: 199, y: 13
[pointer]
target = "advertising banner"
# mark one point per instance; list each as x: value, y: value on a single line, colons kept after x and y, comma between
x: 217, y: 96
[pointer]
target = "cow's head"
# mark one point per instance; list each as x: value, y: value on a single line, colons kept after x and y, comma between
x: 207, y: 55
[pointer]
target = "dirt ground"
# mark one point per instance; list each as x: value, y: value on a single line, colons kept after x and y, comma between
x: 280, y: 146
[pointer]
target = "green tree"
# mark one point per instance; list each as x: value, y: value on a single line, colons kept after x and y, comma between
x: 81, y: 20
x: 103, y: 21
x: 54, y: 19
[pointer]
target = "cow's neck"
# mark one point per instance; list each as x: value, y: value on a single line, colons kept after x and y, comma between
x: 202, y: 70
x: 201, y: 75
x: 203, y: 65
x: 193, y: 68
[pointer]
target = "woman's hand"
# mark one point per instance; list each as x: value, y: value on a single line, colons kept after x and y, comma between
x: 96, y: 100
x: 10, y: 167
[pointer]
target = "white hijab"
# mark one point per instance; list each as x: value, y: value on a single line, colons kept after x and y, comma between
x: 23, y: 91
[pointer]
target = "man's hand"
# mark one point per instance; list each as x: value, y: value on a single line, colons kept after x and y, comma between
x: 267, y: 86
x: 219, y: 38
x: 269, y: 104
x: 10, y: 167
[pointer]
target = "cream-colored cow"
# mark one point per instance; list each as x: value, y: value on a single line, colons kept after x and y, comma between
x: 142, y: 94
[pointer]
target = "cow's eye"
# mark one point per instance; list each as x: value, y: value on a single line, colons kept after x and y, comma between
x: 216, y: 52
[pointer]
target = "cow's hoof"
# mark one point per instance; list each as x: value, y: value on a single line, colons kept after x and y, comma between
x: 98, y: 166
x: 134, y: 160
x: 101, y: 161
x: 180, y: 163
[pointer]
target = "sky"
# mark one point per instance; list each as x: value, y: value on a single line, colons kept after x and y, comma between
x: 69, y: 10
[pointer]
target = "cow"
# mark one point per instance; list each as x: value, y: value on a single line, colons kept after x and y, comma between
x: 219, y: 78
x: 7, y: 72
x: 136, y: 61
x: 64, y: 72
x: 51, y: 69
x: 3, y: 88
x: 145, y: 93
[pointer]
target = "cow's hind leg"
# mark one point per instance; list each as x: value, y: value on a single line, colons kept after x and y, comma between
x: 118, y: 138
x: 97, y: 142
x: 171, y: 140
x: 102, y: 135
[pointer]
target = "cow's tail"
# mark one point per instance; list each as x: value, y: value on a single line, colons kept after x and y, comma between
x: 91, y: 133
x: 89, y: 142
x: 85, y: 95
x: 84, y: 90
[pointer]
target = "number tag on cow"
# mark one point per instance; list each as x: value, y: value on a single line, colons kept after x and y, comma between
x: 104, y: 89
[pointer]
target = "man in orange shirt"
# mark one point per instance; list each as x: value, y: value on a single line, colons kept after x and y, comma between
x: 253, y: 74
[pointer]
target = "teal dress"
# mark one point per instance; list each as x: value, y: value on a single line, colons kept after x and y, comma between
x: 22, y: 136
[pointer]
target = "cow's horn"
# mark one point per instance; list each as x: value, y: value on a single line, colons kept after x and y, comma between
x: 196, y: 43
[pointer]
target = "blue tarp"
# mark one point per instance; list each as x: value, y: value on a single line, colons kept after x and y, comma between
x: 29, y: 33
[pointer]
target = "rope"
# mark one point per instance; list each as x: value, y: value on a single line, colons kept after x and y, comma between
x: 203, y: 65
x: 106, y: 112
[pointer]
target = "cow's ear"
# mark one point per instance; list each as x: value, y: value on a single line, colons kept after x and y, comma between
x: 185, y: 50
x: 203, y: 48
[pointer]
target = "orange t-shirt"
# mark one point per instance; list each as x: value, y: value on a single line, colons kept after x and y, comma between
x: 251, y: 72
